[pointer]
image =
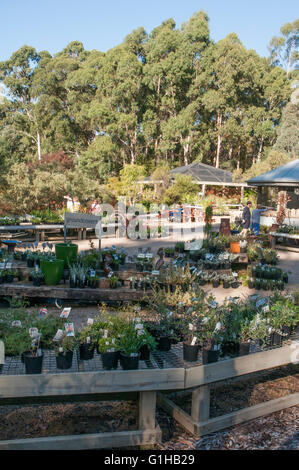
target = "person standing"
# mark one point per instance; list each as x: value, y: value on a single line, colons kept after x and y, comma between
x: 255, y: 219
x: 246, y: 217
x: 76, y: 204
x: 69, y: 204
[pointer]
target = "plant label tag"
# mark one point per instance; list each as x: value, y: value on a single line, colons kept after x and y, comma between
x: 65, y: 312
x: 105, y: 335
x: 69, y: 329
x: 16, y: 323
x: 266, y: 309
x: 33, y: 332
x: 9, y: 265
x: 191, y: 327
x: 260, y: 302
x: 2, y: 265
x: 90, y: 321
x: 43, y: 312
x: 92, y: 273
x: 110, y: 274
x: 155, y: 273
x: 58, y: 336
x: 88, y: 340
x: 193, y: 341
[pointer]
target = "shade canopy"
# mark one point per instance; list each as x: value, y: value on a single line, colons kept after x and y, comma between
x: 201, y: 172
x: 286, y: 175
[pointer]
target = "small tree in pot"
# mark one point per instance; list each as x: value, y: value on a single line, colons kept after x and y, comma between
x: 64, y: 351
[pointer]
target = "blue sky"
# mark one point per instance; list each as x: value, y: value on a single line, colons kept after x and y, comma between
x: 52, y: 24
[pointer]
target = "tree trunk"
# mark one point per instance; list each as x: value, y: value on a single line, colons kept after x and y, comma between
x: 219, y: 141
x: 38, y: 146
x: 260, y: 150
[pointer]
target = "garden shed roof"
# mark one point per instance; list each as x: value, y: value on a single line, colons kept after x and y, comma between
x: 286, y: 175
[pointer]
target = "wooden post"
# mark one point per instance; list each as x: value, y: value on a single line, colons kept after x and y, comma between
x: 64, y: 233
x: 147, y: 410
x: 200, y: 410
x: 147, y: 413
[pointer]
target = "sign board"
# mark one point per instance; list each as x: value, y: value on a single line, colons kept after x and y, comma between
x: 81, y: 220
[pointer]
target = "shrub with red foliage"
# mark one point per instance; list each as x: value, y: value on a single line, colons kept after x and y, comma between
x: 59, y: 161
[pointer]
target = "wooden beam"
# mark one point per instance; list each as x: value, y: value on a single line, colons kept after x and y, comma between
x: 177, y: 413
x: 62, y: 292
x: 106, y: 440
x: 205, y: 374
x: 80, y: 383
x: 147, y: 410
x: 247, y: 414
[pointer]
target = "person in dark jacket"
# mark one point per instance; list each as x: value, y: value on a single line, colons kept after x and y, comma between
x: 246, y: 217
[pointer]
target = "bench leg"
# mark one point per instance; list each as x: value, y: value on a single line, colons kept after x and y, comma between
x: 200, y: 410
x: 147, y: 413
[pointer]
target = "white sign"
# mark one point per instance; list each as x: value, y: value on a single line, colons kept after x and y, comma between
x: 65, y: 312
x: 80, y: 220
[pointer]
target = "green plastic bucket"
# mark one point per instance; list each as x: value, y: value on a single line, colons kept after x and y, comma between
x: 52, y: 271
x: 66, y: 252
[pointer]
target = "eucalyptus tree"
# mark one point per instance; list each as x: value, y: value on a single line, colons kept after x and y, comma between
x: 284, y: 49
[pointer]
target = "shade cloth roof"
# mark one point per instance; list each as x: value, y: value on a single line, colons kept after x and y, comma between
x: 202, y: 172
x: 286, y: 175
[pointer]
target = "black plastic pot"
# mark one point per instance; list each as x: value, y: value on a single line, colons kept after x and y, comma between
x: 287, y: 331
x: 243, y: 250
x: 73, y: 283
x: 110, y: 360
x: 64, y: 360
x: 209, y: 356
x: 226, y: 285
x: 144, y: 353
x: 235, y: 285
x: 9, y: 278
x: 164, y: 343
x: 230, y: 348
x: 36, y: 282
x: 190, y: 353
x: 93, y: 283
x: 215, y: 283
x: 250, y: 285
x: 129, y: 362
x: 33, y: 364
x: 275, y: 339
x: 244, y: 349
x: 86, y: 351
x: 30, y: 263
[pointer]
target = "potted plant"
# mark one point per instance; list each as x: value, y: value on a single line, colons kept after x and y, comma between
x: 243, y: 246
x: 244, y: 336
x: 191, y: 345
x: 235, y: 244
x: 209, y: 328
x: 130, y: 344
x: 64, y: 352
x: 216, y: 280
x: 87, y: 343
x: 67, y: 252
x: 108, y: 347
x: 73, y: 274
x: 52, y: 270
x: 37, y: 276
x: 11, y: 274
x: 93, y: 281
x: 148, y: 344
x: 113, y: 281
x: 33, y: 357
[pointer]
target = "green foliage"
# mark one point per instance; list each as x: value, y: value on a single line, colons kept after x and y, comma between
x: 182, y: 186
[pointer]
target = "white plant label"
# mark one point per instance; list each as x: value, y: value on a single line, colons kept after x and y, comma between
x: 90, y: 321
x: 193, y: 341
x: 65, y: 312
x: 58, y: 336
x: 16, y: 323
x: 33, y: 332
x: 69, y: 329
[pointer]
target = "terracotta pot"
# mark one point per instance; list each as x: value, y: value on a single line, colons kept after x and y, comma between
x: 235, y: 247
